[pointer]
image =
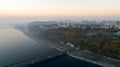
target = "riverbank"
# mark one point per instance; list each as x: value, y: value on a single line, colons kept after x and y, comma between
x: 82, y: 55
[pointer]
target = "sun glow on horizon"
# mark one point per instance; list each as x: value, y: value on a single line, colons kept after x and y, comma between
x: 59, y: 8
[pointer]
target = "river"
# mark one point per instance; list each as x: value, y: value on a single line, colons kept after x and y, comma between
x: 15, y: 46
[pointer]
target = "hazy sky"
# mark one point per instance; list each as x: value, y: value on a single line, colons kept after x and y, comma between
x: 59, y: 7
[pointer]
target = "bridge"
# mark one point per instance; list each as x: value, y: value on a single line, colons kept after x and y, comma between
x: 34, y: 60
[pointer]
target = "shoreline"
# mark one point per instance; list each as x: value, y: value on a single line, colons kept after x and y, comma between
x: 63, y: 48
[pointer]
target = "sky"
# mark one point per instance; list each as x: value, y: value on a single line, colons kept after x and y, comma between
x: 59, y: 7
x: 17, y: 11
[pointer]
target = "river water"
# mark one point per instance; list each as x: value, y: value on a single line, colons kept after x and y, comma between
x: 15, y: 46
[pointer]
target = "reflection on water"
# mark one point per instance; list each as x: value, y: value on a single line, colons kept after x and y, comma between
x: 15, y: 46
